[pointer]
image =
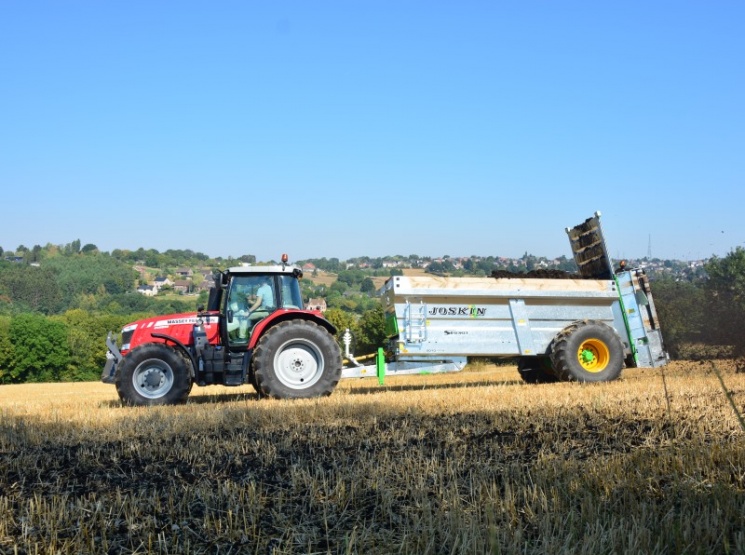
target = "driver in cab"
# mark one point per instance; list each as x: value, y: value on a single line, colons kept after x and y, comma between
x: 263, y: 302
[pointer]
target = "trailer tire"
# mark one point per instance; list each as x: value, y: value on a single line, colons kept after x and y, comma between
x: 297, y: 359
x: 587, y: 351
x: 153, y: 374
x: 536, y: 370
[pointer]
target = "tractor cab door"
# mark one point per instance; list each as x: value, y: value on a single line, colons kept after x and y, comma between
x: 249, y: 299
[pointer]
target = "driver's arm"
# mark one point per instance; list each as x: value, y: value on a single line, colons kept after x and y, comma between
x: 255, y: 306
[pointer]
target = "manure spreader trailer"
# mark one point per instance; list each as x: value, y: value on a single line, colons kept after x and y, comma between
x: 583, y: 327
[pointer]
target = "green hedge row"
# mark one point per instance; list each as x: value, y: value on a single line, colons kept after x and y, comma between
x: 66, y: 347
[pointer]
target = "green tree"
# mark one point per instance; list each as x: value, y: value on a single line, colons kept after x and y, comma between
x: 725, y: 299
x: 351, y: 277
x: 436, y: 268
x: 154, y: 259
x: 681, y: 310
x: 485, y: 266
x: 338, y: 287
x: 86, y: 334
x: 7, y: 352
x: 72, y: 248
x: 343, y: 321
x: 367, y: 285
x: 28, y: 288
x: 333, y: 299
x: 35, y: 255
x: 371, y: 330
x: 41, y: 352
x: 86, y: 274
x: 530, y: 261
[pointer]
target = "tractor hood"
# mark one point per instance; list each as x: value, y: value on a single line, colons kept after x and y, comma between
x: 175, y: 326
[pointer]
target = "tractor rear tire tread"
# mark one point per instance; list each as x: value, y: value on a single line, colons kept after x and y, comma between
x: 296, y: 359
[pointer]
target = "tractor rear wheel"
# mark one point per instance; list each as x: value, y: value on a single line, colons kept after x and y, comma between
x: 536, y: 370
x: 297, y: 359
x: 587, y: 351
x: 252, y: 380
x: 153, y: 374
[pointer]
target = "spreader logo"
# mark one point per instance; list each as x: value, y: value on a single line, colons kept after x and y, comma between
x: 472, y: 311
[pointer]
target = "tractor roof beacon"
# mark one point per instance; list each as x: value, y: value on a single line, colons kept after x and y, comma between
x: 585, y: 328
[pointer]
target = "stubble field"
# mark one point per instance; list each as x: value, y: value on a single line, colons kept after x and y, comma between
x: 475, y: 462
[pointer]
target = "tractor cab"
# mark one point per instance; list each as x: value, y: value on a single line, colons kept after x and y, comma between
x: 251, y: 294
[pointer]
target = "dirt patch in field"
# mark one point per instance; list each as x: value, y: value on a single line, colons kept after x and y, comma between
x: 321, y: 278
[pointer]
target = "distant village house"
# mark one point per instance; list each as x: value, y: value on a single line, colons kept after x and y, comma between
x: 182, y: 286
x: 317, y: 303
x: 147, y: 290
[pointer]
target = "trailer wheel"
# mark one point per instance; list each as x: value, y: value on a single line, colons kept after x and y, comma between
x: 297, y: 359
x: 153, y: 374
x: 536, y: 370
x: 587, y: 351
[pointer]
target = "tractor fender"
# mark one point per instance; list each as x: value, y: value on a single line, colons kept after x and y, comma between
x: 180, y: 346
x: 285, y: 315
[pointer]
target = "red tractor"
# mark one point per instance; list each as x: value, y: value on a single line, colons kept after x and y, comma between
x: 254, y: 330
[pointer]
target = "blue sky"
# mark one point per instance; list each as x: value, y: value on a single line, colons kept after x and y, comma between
x: 343, y: 129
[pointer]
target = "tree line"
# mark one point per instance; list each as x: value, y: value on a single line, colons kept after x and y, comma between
x: 57, y: 305
x: 54, y: 315
x: 66, y: 347
x: 95, y: 282
x: 704, y: 316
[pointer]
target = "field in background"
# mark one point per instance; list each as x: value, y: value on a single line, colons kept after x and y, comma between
x: 475, y: 462
x: 321, y: 278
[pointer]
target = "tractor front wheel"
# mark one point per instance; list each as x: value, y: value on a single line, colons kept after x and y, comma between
x: 297, y: 359
x: 153, y: 374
